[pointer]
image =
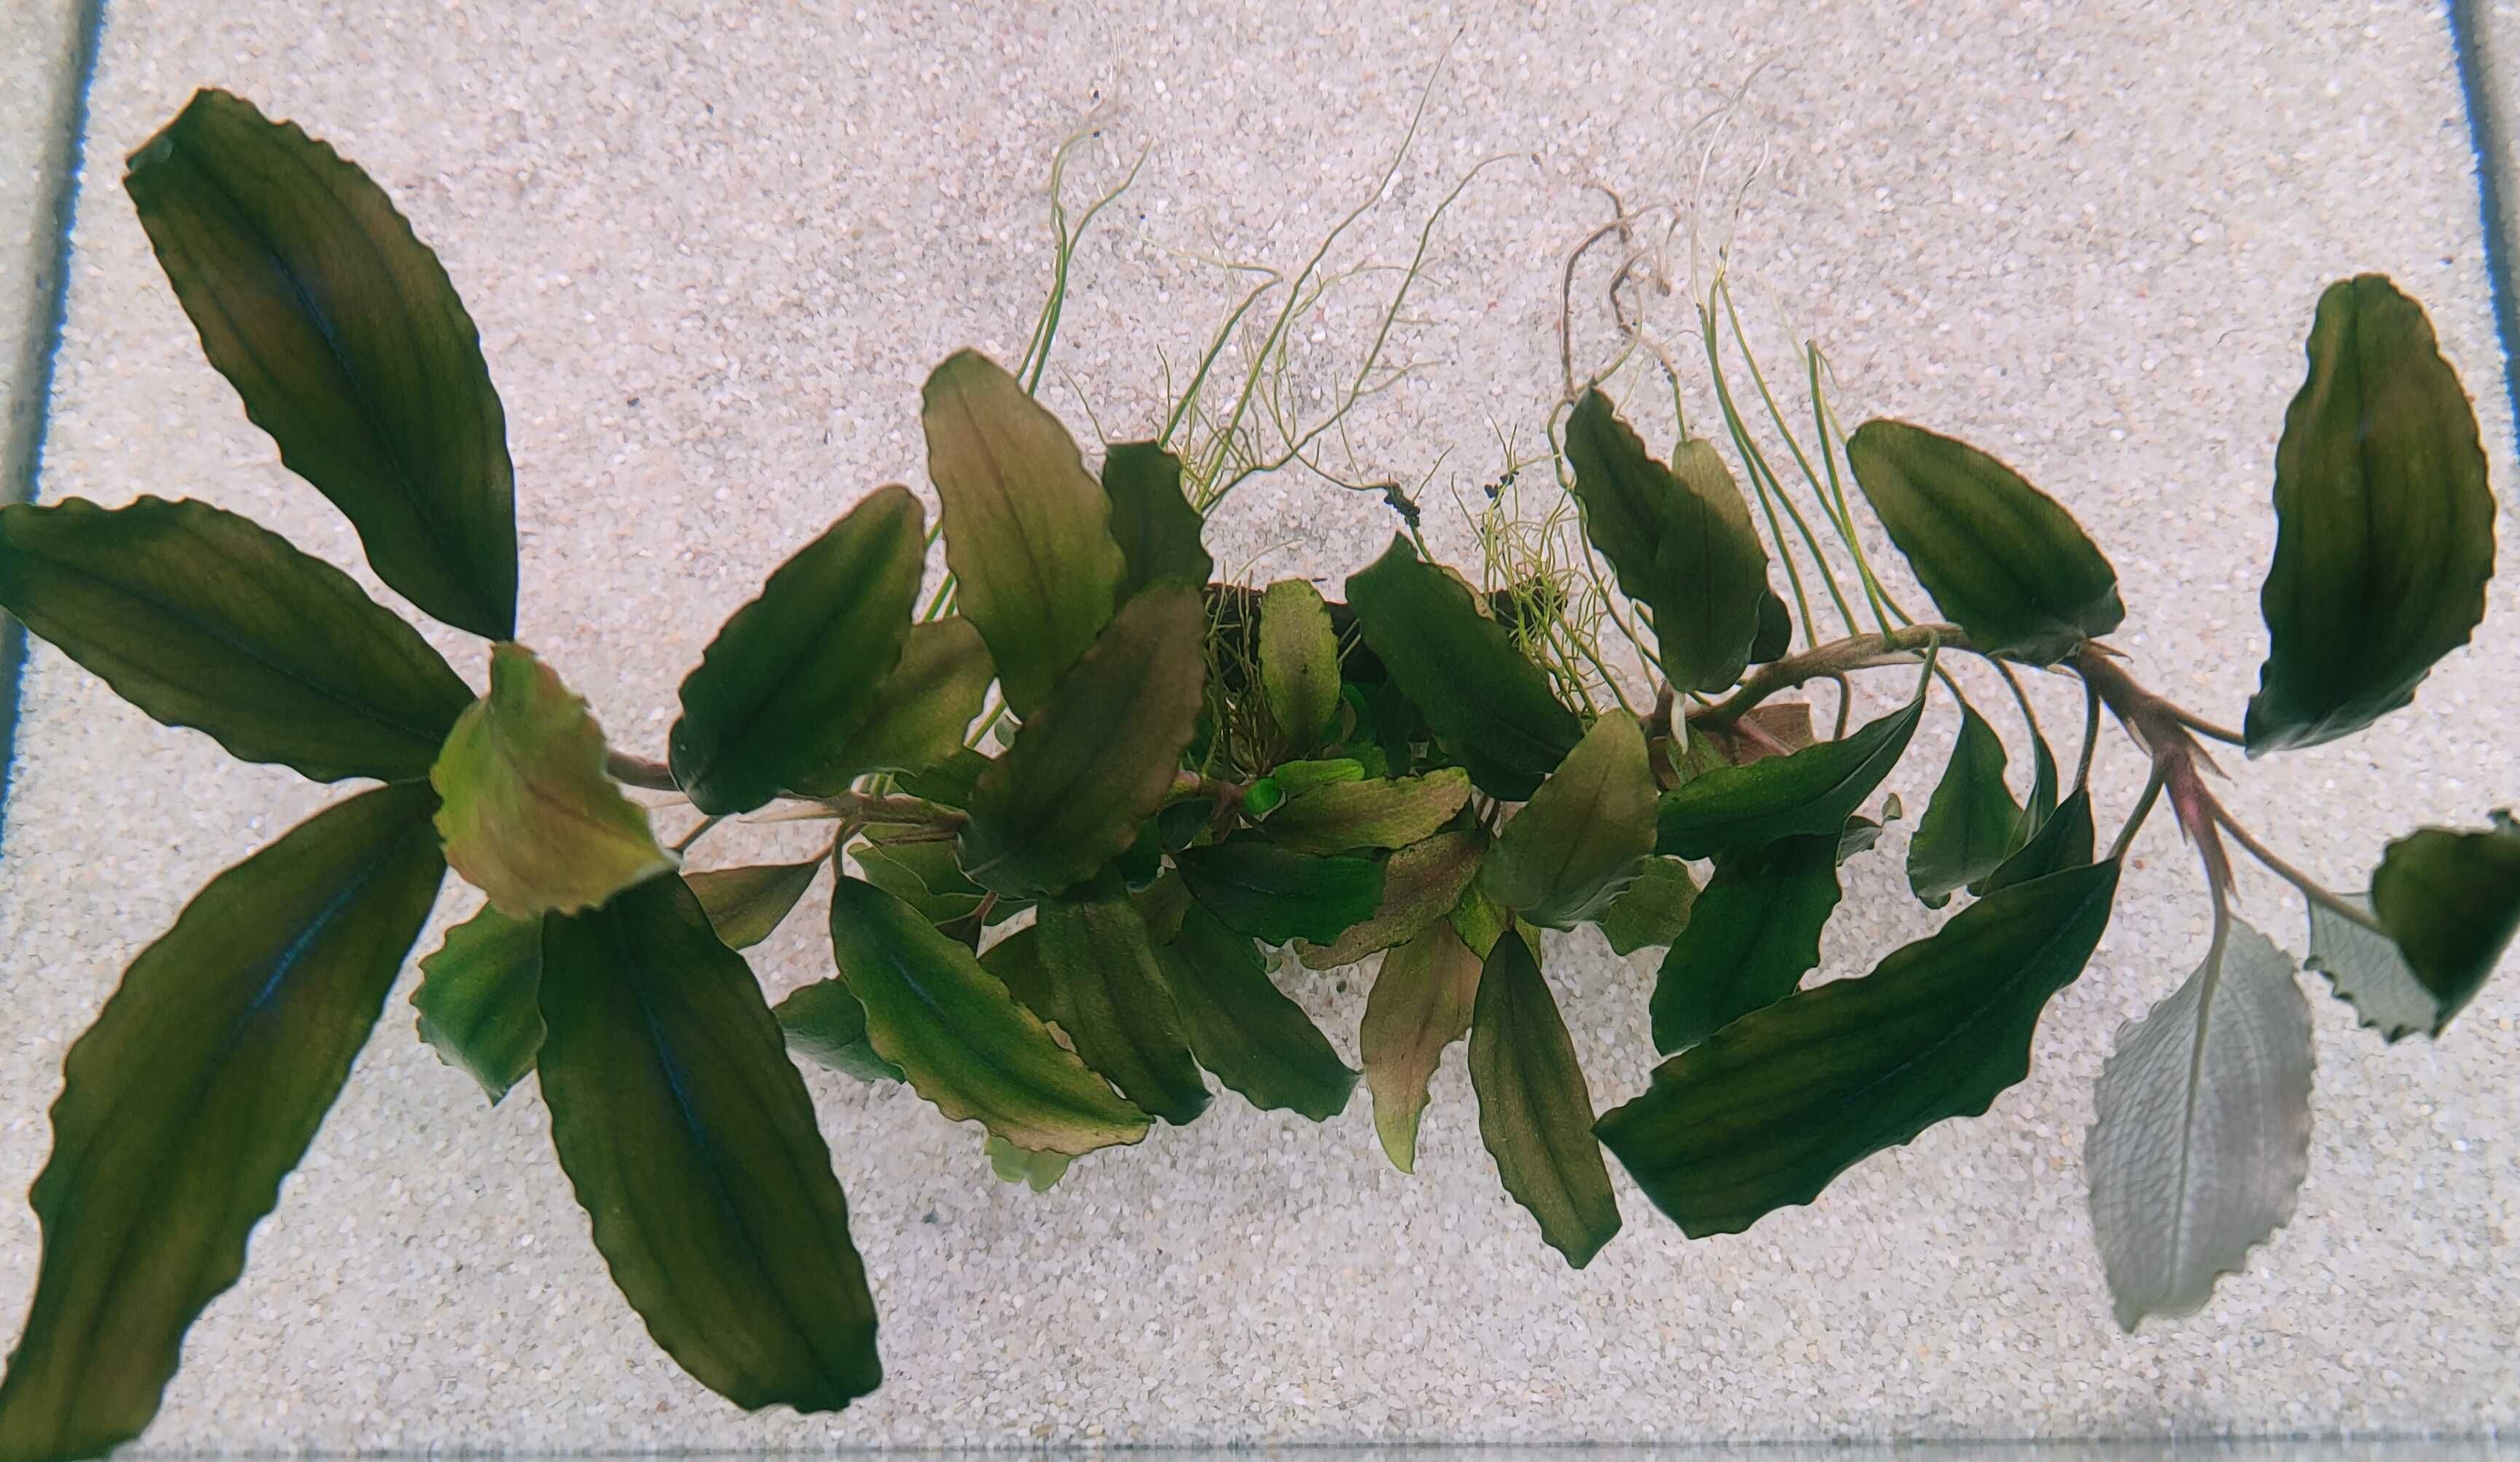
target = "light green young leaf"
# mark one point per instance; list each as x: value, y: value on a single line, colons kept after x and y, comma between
x: 2203, y: 1132
x: 527, y: 814
x: 345, y: 337
x: 1037, y: 1171
x: 2384, y: 523
x: 1571, y: 848
x: 1099, y: 757
x: 1535, y: 1111
x: 1027, y: 531
x: 1385, y: 812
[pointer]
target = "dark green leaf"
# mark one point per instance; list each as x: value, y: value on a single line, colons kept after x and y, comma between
x: 1271, y: 893
x: 192, y: 1095
x: 746, y: 906
x: 922, y: 710
x: 691, y: 1142
x: 1680, y: 539
x: 1393, y: 812
x: 1490, y: 706
x: 1775, y: 636
x: 2451, y: 902
x: 825, y: 1024
x: 925, y: 876
x: 1770, y: 1108
x: 2384, y: 524
x: 1535, y: 1113
x: 1815, y: 790
x: 1156, y: 528
x: 1753, y: 936
x: 343, y: 335
x: 1421, y: 1003
x: 962, y: 1038
x: 2001, y: 558
x: 1112, y: 1001
x: 1571, y: 848
x: 480, y: 998
x: 2064, y: 841
x: 1654, y: 909
x: 1027, y: 532
x: 951, y: 782
x: 1299, y: 664
x: 1258, y: 1042
x: 201, y: 618
x: 1420, y: 884
x: 794, y: 672
x: 1972, y: 822
x: 1099, y: 757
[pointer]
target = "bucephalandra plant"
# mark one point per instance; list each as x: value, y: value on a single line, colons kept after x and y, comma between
x: 1166, y: 774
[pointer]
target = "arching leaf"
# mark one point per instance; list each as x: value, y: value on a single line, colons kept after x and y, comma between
x: 1815, y: 790
x: 1384, y: 813
x: 793, y: 673
x: 480, y: 998
x: 1568, y: 853
x: 1972, y: 822
x: 1027, y: 532
x: 343, y: 335
x: 1752, y: 937
x: 201, y: 618
x: 1111, y: 997
x: 1535, y: 1111
x: 1157, y: 530
x: 1421, y: 1003
x: 197, y: 1091
x: 1299, y: 664
x: 2384, y: 524
x: 1271, y: 893
x: 1769, y: 1110
x: 2001, y: 558
x: 1244, y: 1029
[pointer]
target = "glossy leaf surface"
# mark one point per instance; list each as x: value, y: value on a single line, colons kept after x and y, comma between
x: 203, y: 619
x: 527, y: 812
x: 1271, y: 893
x: 2384, y: 523
x: 195, y: 1093
x: 1769, y: 1110
x: 961, y: 1041
x: 691, y: 1142
x: 342, y: 334
x: 795, y: 671
x: 1972, y: 822
x: 1535, y: 1111
x: 1815, y: 790
x: 1027, y: 531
